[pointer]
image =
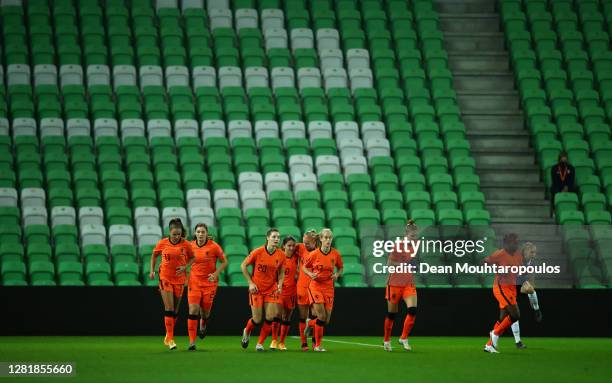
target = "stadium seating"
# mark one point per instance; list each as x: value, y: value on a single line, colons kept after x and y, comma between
x: 561, y: 59
x: 241, y: 114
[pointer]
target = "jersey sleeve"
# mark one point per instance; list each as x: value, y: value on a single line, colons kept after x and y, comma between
x: 219, y: 251
x: 252, y: 257
x: 494, y: 258
x: 339, y: 261
x: 161, y: 244
x: 188, y: 250
x: 309, y: 259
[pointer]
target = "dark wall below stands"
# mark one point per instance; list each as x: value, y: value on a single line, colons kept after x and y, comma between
x: 138, y: 311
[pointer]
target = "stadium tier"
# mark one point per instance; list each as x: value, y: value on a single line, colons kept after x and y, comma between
x: 561, y: 57
x: 116, y: 117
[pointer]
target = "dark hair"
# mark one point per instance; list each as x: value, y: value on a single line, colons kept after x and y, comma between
x: 205, y: 226
x: 287, y: 239
x: 509, y: 240
x: 562, y: 154
x: 176, y: 223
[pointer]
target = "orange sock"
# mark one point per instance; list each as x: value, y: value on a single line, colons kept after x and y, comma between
x: 388, y: 328
x: 169, y: 322
x: 203, y: 322
x: 284, y: 330
x: 275, y: 328
x: 250, y: 326
x: 319, y: 329
x: 265, y: 331
x: 500, y: 328
x: 192, y: 327
x: 302, y: 328
x: 312, y: 322
x: 408, y: 324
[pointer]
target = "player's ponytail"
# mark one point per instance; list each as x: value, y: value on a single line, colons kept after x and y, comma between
x: 317, y: 239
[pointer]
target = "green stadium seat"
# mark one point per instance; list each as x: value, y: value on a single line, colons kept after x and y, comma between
x: 13, y: 273
x: 42, y: 273
x: 98, y: 273
x: 308, y: 199
x: 38, y: 234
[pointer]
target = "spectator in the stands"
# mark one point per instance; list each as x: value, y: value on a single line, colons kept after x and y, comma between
x: 563, y: 176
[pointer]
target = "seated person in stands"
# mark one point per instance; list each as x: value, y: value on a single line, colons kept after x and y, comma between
x: 563, y: 177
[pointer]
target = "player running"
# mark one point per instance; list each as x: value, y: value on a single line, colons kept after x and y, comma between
x: 400, y: 286
x: 526, y: 284
x: 265, y: 286
x: 504, y: 289
x: 203, y: 281
x: 310, y: 242
x: 175, y: 252
x: 323, y: 262
x: 288, y: 295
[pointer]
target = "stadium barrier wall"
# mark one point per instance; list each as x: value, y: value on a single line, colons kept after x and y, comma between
x: 357, y: 311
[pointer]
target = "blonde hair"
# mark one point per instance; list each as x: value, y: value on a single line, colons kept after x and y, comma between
x: 527, y: 246
x: 325, y: 230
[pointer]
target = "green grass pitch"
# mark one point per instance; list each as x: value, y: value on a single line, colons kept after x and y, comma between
x: 349, y: 359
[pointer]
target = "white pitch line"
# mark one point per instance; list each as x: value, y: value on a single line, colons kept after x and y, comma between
x: 346, y: 342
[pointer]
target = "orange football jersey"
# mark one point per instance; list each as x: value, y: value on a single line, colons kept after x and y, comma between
x: 290, y: 282
x: 265, y: 268
x: 397, y: 257
x: 205, y: 262
x: 173, y: 256
x: 502, y: 258
x: 324, y: 265
x: 302, y: 255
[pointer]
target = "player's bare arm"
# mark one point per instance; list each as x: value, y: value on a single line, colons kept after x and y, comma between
x: 153, y: 261
x: 215, y: 276
x: 247, y: 276
x: 281, y: 279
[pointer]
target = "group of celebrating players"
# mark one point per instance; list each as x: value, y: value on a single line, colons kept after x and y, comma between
x: 286, y: 274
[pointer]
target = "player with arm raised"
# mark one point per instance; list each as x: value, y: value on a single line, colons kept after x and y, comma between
x: 265, y: 286
x: 400, y: 286
x: 203, y: 281
x: 504, y: 288
x: 175, y: 252
x: 527, y: 286
x: 326, y: 265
